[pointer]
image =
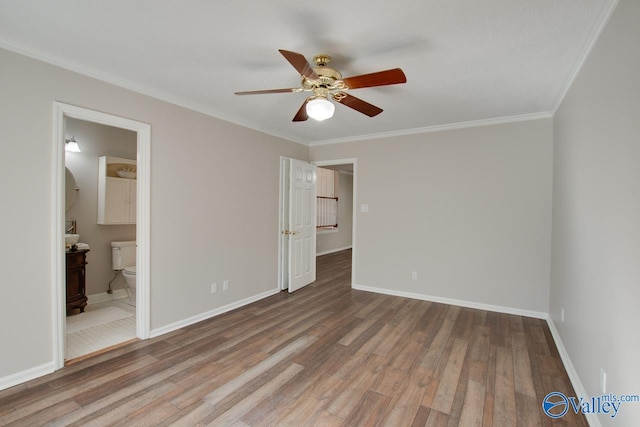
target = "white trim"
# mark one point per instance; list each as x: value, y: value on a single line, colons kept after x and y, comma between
x: 143, y: 232
x: 143, y: 225
x: 106, y: 297
x: 437, y: 128
x: 58, y: 291
x: 592, y: 419
x: 326, y: 231
x: 335, y: 162
x: 331, y: 251
x: 281, y: 226
x: 211, y: 313
x: 603, y: 21
x: 24, y: 376
x: 457, y: 302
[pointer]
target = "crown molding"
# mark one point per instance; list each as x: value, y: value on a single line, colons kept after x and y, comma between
x: 438, y: 128
x: 134, y: 87
x: 182, y: 102
x: 603, y: 20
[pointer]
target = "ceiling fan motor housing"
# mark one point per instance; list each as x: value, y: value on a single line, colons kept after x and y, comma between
x: 327, y: 77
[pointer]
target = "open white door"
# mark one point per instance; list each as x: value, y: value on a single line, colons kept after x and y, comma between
x: 301, y: 231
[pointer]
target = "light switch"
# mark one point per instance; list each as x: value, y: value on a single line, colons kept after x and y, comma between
x: 364, y: 208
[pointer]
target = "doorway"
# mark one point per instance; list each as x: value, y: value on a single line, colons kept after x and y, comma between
x: 297, y: 224
x: 143, y: 139
x: 283, y: 220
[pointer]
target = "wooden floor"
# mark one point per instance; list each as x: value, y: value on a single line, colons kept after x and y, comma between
x: 326, y: 355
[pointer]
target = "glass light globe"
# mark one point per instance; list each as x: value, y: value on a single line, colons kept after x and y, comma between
x: 320, y: 109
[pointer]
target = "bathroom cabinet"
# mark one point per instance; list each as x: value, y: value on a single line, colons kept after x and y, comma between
x: 76, y: 280
x: 116, y: 191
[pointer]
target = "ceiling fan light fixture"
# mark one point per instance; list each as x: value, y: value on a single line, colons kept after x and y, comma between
x: 327, y: 84
x: 320, y: 108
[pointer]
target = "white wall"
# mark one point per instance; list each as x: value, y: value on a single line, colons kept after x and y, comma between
x: 469, y: 210
x: 331, y: 241
x: 596, y: 214
x: 202, y: 228
x: 97, y: 140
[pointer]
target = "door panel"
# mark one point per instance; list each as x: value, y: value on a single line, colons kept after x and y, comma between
x: 302, y: 227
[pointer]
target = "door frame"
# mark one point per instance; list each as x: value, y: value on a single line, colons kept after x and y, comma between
x: 283, y: 211
x: 143, y: 131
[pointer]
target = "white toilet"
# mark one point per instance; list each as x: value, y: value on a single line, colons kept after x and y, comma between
x: 123, y: 256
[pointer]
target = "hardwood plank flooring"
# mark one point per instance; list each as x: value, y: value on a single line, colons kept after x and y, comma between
x: 326, y: 355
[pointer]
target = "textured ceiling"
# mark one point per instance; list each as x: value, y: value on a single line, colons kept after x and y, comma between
x: 466, y: 61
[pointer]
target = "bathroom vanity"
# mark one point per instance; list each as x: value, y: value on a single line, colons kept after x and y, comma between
x: 76, y: 284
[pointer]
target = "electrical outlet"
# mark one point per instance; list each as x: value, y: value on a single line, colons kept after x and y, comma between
x: 603, y: 381
x: 225, y: 285
x: 214, y: 287
x: 414, y: 275
x: 562, y: 315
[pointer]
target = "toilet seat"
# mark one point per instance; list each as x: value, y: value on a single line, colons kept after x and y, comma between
x: 130, y: 270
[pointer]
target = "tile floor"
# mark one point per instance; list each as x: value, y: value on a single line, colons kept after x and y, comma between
x: 83, y: 341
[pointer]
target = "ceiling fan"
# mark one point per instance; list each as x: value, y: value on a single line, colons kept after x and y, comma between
x: 327, y: 83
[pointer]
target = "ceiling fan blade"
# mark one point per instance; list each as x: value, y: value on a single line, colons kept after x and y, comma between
x: 381, y: 78
x: 259, y: 92
x: 300, y: 63
x: 301, y: 115
x: 357, y: 104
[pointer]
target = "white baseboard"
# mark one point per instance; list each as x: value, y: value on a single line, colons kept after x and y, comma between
x: 104, y: 296
x: 28, y: 375
x: 592, y: 419
x: 333, y: 251
x: 450, y: 301
x: 47, y: 368
x: 209, y: 314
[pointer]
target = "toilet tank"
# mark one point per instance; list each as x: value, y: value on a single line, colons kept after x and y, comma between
x: 123, y: 254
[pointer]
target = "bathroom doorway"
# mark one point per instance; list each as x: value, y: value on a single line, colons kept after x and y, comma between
x: 108, y: 318
x: 70, y: 119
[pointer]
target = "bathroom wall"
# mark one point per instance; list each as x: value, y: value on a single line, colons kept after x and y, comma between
x: 97, y: 140
x: 331, y: 241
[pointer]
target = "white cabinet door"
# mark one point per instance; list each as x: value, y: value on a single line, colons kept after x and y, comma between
x: 117, y: 205
x: 116, y: 195
x: 133, y: 196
